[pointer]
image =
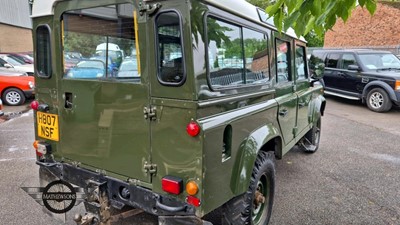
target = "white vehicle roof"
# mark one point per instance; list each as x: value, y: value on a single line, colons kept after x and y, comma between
x: 111, y: 47
x: 241, y: 7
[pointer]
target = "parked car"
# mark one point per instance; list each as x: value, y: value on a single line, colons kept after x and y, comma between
x: 22, y: 57
x: 15, y: 89
x: 7, y: 62
x: 87, y: 69
x: 128, y: 68
x: 370, y: 76
x: 1, y: 108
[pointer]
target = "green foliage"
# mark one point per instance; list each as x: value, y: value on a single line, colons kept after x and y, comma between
x: 307, y: 15
x: 314, y: 40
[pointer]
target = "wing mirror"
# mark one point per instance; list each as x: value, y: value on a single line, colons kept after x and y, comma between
x: 353, y: 68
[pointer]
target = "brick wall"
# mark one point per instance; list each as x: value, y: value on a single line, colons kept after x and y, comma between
x: 362, y: 29
x: 15, y: 39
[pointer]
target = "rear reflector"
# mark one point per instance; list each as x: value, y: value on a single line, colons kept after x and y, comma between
x: 173, y: 185
x: 193, y: 201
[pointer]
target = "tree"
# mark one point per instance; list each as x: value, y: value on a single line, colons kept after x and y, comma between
x: 318, y: 15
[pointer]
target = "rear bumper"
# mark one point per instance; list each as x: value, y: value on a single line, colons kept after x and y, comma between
x: 169, y: 209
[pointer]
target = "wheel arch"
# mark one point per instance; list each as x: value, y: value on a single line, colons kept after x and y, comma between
x: 266, y: 138
x: 10, y: 87
x: 378, y: 84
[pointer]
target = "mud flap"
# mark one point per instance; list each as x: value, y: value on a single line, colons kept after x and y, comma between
x: 181, y: 220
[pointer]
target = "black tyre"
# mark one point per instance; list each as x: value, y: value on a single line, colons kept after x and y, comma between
x: 378, y: 100
x: 310, y: 143
x: 13, y: 96
x: 255, y: 206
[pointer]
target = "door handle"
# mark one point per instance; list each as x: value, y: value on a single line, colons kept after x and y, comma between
x: 341, y: 74
x: 68, y: 100
x: 283, y: 112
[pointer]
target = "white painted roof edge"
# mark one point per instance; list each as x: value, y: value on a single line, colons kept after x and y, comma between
x: 43, y: 8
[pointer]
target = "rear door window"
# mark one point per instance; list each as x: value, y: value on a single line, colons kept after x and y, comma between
x: 43, y: 55
x: 99, y: 43
x: 332, y: 60
x: 171, y: 62
x: 300, y: 62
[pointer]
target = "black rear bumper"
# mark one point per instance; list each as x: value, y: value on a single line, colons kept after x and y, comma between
x: 165, y: 207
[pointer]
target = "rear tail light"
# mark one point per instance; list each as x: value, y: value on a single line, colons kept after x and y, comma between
x: 173, y: 185
x: 35, y: 105
x: 36, y: 146
x: 193, y: 129
x: 41, y: 148
x: 193, y: 201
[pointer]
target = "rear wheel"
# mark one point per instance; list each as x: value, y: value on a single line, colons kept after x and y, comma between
x: 378, y: 100
x: 13, y: 96
x: 255, y: 206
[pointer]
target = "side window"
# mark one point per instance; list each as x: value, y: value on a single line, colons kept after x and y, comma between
x: 43, y: 53
x: 347, y: 60
x: 171, y: 67
x: 282, y: 60
x: 256, y: 56
x: 99, y: 43
x: 332, y: 60
x: 225, y: 54
x: 300, y: 62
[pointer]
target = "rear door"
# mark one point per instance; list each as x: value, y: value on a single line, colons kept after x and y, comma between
x: 331, y: 71
x: 303, y: 89
x: 103, y: 94
x: 286, y: 97
x: 348, y: 80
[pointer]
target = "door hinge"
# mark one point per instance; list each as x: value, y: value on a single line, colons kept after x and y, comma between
x: 295, y: 131
x: 150, y: 9
x: 150, y: 168
x: 150, y: 112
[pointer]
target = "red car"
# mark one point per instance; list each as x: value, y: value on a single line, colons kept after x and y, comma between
x: 15, y: 88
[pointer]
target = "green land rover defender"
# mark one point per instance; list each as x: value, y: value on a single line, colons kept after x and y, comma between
x: 175, y: 108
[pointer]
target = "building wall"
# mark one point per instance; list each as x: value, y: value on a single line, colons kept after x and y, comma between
x: 15, y: 39
x: 16, y: 13
x: 362, y: 29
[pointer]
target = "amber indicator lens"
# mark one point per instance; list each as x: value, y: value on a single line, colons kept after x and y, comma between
x: 192, y: 188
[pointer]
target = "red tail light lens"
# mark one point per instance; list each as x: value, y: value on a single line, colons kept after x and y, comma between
x: 193, y: 201
x: 193, y: 129
x: 35, y: 105
x: 173, y: 185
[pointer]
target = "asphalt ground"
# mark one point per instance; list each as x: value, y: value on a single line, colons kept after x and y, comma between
x: 352, y: 179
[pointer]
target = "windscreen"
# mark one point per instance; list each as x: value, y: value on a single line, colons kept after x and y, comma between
x: 98, y: 43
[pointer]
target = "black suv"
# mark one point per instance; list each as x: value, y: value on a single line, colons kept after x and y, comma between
x: 367, y: 75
